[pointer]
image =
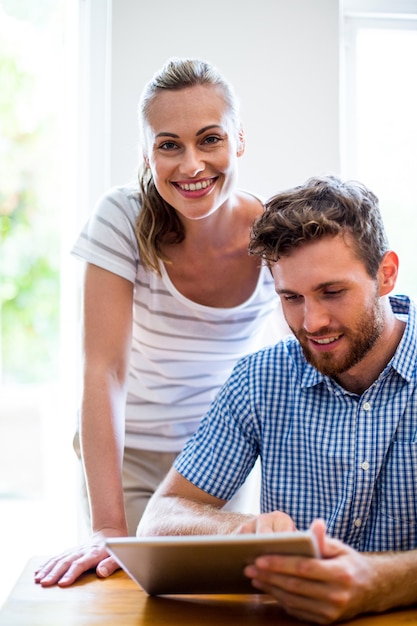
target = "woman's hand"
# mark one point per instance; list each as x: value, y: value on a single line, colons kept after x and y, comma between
x: 65, y: 568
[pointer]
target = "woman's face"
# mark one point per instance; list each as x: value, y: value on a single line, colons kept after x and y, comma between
x: 192, y: 149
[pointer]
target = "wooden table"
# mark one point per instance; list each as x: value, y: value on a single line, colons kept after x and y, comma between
x: 118, y: 601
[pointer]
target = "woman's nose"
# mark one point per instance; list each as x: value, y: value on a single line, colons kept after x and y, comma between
x: 191, y: 163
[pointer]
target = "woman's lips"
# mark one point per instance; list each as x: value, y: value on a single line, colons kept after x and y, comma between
x: 195, y: 188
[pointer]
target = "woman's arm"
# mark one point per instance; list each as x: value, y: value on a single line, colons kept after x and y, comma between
x: 107, y: 314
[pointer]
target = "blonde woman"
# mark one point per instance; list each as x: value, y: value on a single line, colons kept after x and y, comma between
x: 172, y: 300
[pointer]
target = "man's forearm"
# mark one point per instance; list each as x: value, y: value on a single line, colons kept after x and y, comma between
x: 395, y: 580
x: 174, y: 515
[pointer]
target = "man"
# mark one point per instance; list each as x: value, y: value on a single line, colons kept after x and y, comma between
x: 331, y: 411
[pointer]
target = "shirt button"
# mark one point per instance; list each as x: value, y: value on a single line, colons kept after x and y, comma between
x: 366, y: 406
x: 365, y: 465
x: 358, y: 522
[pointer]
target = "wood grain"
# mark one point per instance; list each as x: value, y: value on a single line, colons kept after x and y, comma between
x: 118, y: 601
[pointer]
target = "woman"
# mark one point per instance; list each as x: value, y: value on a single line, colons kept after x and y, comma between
x: 171, y: 300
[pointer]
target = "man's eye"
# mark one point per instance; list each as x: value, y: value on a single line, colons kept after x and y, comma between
x: 294, y: 298
x: 334, y: 293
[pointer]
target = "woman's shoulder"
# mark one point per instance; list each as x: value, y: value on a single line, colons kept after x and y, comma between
x: 249, y: 206
x: 108, y: 238
x: 117, y: 208
x: 125, y: 197
x: 251, y: 196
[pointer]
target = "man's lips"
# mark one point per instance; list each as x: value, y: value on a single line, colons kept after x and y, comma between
x: 325, y: 340
x: 324, y: 343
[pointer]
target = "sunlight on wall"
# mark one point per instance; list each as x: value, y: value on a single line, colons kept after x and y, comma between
x: 387, y: 136
x: 381, y: 129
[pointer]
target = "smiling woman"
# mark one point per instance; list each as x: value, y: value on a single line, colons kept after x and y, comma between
x: 172, y: 300
x: 198, y: 160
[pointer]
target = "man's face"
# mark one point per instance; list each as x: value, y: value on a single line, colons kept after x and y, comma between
x: 330, y: 303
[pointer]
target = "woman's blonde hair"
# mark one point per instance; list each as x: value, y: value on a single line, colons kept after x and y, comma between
x: 158, y: 222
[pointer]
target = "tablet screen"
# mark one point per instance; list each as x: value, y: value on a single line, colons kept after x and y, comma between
x: 202, y: 563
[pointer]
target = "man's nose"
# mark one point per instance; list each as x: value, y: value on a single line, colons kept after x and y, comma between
x: 316, y: 316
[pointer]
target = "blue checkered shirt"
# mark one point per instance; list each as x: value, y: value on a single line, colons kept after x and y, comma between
x: 325, y: 452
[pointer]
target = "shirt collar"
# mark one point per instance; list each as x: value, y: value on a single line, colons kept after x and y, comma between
x: 404, y: 360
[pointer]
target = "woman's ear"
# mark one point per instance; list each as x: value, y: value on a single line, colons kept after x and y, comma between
x: 388, y: 272
x: 241, y: 145
x: 146, y: 161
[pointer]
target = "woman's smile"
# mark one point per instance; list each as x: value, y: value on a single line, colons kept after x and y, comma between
x: 193, y: 149
x: 195, y: 188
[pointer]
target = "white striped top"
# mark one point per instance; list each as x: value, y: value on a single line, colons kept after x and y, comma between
x: 182, y: 352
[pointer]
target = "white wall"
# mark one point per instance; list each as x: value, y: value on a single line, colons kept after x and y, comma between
x: 282, y: 56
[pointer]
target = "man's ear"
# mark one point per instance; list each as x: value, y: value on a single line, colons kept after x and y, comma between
x: 388, y: 272
x: 241, y: 145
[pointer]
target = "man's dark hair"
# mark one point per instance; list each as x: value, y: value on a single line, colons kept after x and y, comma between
x: 322, y: 207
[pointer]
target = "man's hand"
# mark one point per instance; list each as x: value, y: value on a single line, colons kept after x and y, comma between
x: 274, y: 522
x: 336, y: 587
x: 65, y: 568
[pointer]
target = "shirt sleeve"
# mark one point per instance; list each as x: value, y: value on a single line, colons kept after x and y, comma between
x: 220, y: 455
x: 108, y: 239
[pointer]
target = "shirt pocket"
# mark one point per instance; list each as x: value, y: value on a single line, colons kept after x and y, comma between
x: 398, y: 483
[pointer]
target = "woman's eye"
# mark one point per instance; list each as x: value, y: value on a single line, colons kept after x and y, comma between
x: 212, y: 139
x: 168, y: 145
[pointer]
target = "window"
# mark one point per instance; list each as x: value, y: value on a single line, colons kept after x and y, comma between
x: 38, y: 129
x: 380, y: 119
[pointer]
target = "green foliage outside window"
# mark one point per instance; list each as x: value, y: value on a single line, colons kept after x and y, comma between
x: 29, y: 204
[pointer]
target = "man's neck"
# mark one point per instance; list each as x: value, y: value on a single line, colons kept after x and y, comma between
x: 360, y: 377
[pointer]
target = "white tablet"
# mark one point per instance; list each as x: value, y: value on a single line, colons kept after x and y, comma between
x: 189, y: 564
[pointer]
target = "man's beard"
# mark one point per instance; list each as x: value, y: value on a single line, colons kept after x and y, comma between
x: 362, y: 339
